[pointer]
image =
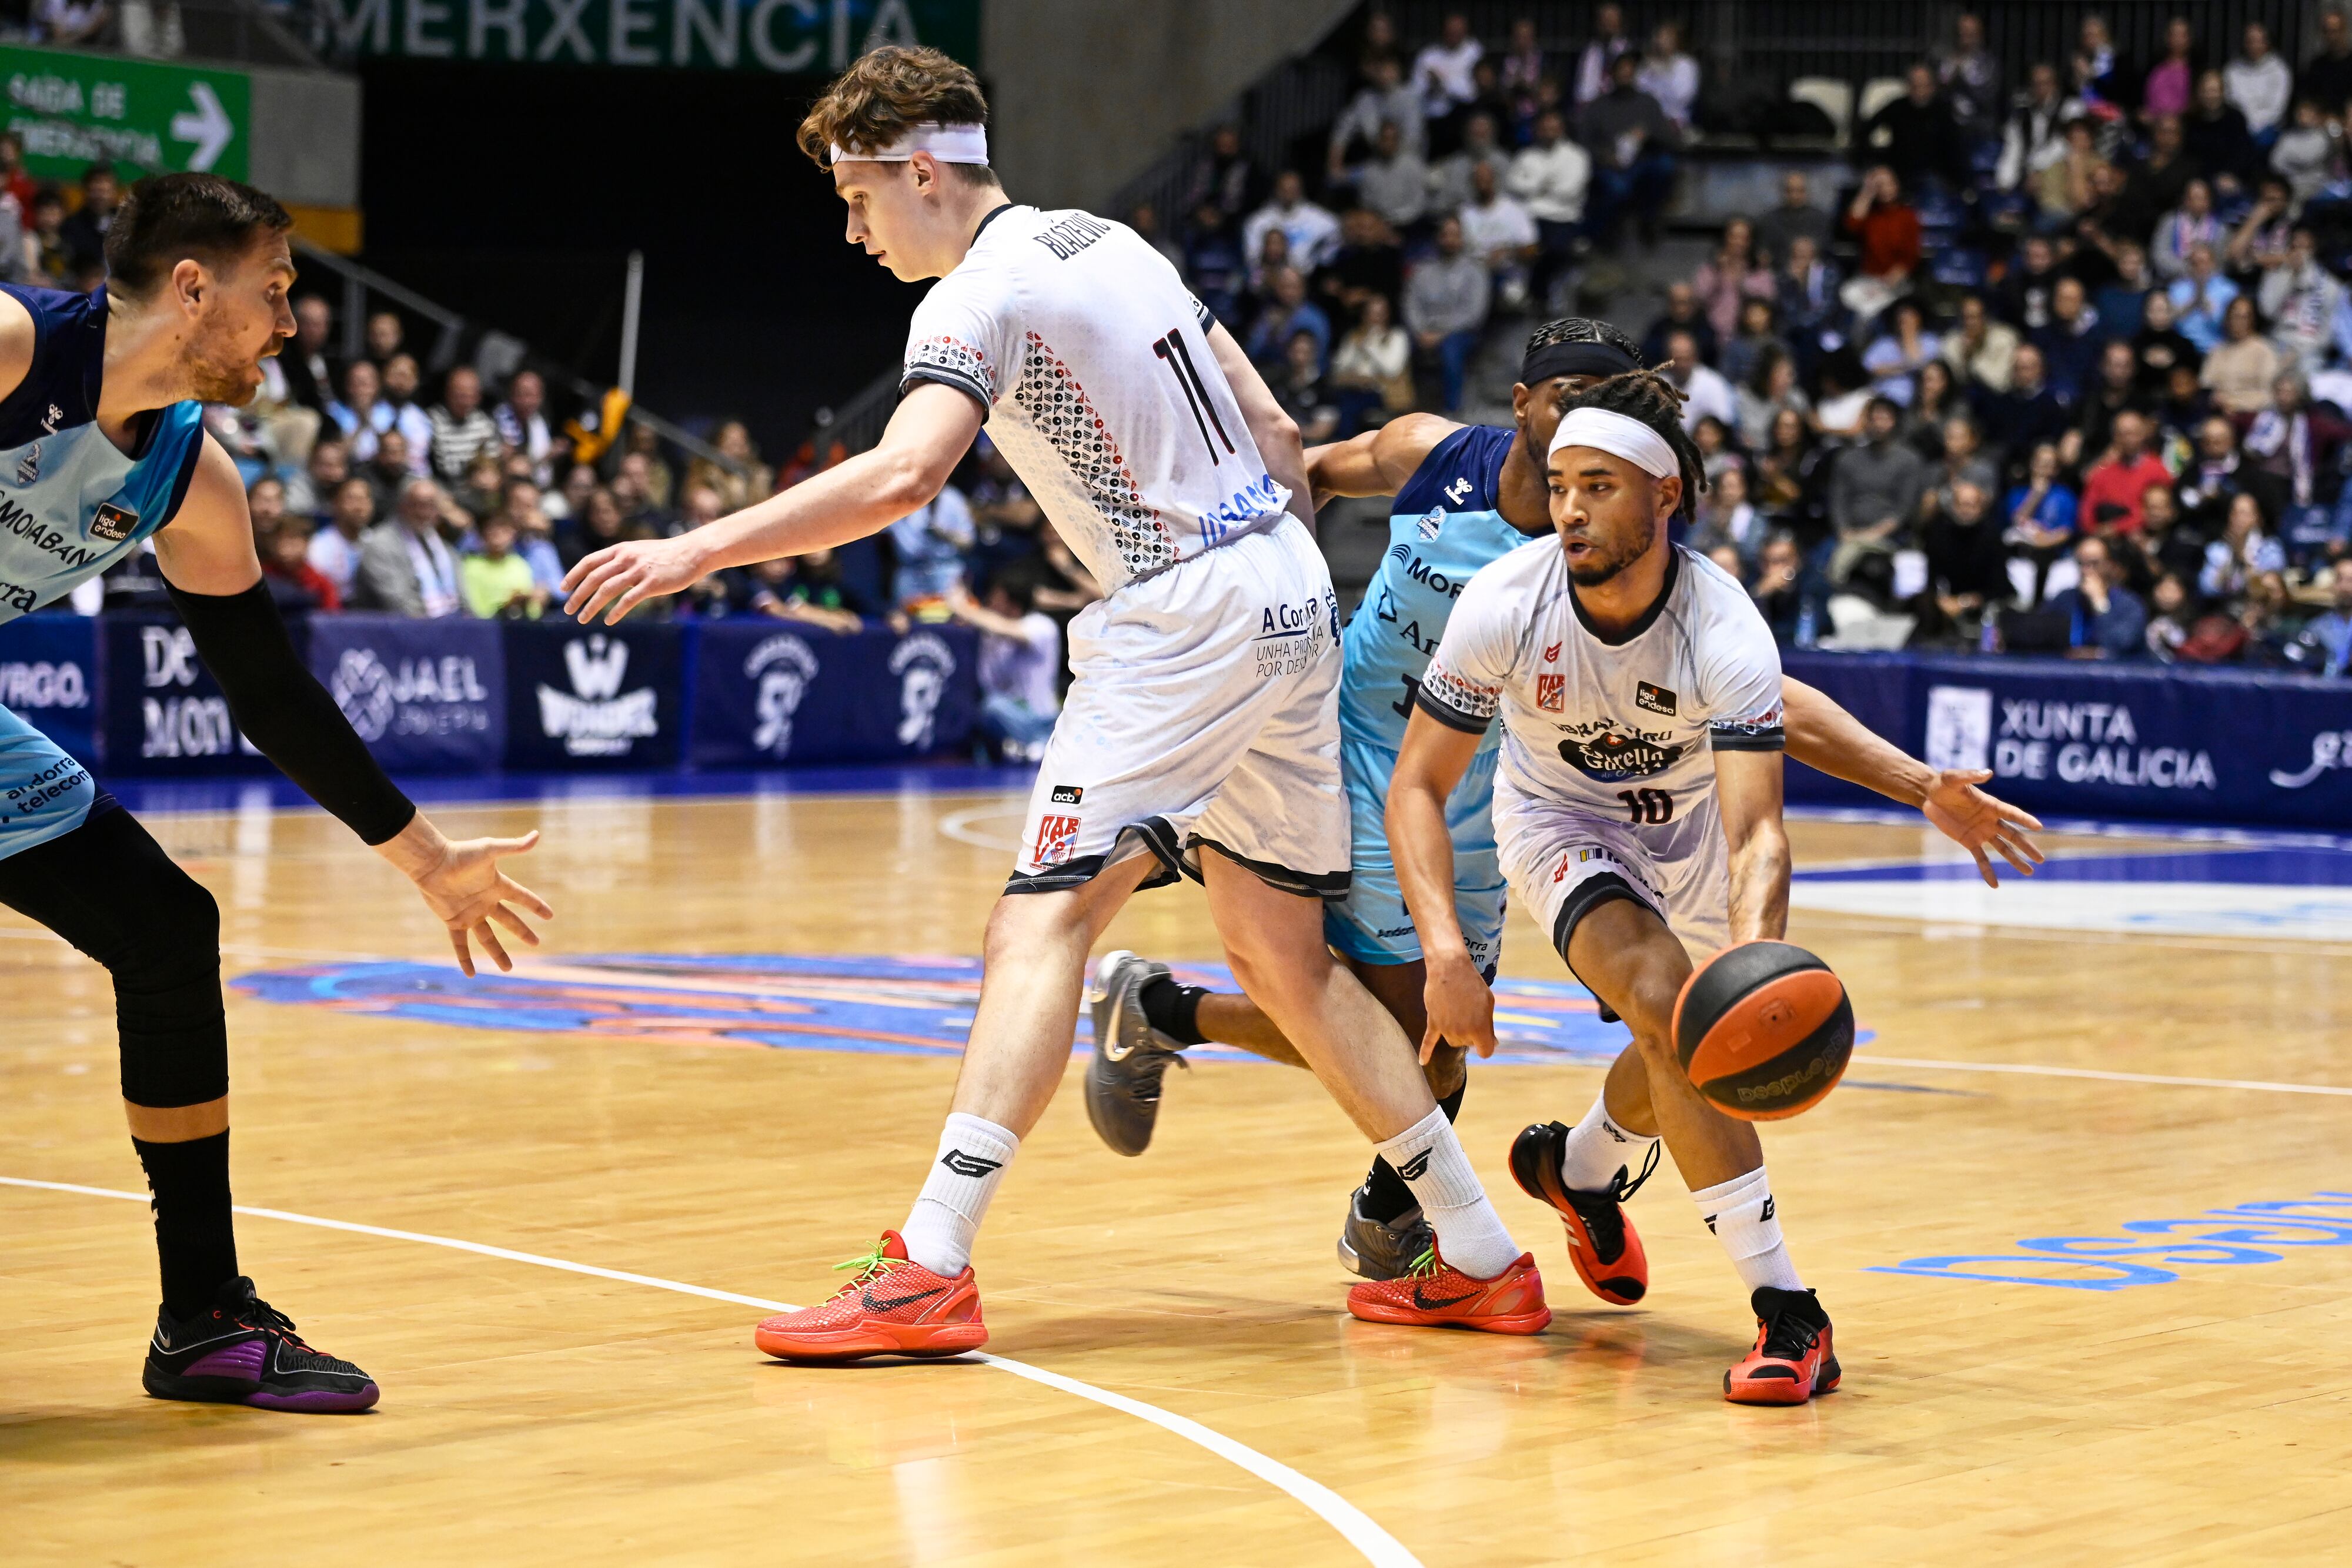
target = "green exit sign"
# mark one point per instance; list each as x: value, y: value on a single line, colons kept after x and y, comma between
x: 75, y: 110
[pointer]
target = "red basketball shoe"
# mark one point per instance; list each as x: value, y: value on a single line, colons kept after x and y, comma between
x: 1601, y: 1241
x: 1434, y: 1293
x: 891, y: 1306
x: 1793, y: 1360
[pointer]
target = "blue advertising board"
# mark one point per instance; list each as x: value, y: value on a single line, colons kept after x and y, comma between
x: 770, y: 692
x: 603, y: 697
x: 427, y: 696
x: 48, y: 677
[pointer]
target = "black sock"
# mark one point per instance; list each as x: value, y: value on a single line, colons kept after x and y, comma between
x: 1385, y: 1194
x: 194, y: 1234
x: 1172, y: 1009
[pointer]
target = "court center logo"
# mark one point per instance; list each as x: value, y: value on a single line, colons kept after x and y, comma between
x: 595, y: 718
x: 922, y: 664
x: 783, y: 665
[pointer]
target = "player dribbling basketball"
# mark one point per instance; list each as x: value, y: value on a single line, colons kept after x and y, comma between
x: 1638, y: 807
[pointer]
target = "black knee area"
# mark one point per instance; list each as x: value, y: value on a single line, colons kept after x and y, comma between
x: 167, y: 999
x: 109, y: 888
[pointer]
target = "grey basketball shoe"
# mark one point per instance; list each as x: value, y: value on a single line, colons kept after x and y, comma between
x: 1378, y: 1251
x: 1130, y: 1056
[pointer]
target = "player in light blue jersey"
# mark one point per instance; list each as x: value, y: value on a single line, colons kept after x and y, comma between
x: 103, y: 450
x: 1466, y: 495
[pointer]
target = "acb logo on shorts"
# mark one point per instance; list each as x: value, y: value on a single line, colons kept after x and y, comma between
x: 1068, y: 794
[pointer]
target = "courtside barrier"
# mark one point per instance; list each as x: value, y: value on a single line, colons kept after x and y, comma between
x: 127, y: 693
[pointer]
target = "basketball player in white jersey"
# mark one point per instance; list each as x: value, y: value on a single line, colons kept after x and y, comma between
x: 1637, y: 809
x: 1201, y: 736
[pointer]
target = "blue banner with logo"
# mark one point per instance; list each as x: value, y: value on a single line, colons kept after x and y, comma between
x: 427, y: 696
x: 49, y: 677
x: 770, y: 692
x: 604, y: 697
x: 2094, y: 740
x: 163, y: 713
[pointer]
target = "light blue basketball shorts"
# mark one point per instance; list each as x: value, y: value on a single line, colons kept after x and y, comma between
x: 44, y: 793
x: 1372, y: 924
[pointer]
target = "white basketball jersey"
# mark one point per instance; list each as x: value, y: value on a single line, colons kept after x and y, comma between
x: 1092, y: 361
x: 1625, y: 728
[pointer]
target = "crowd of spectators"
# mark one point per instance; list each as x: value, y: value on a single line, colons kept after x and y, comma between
x: 1460, y: 183
x: 2065, y: 372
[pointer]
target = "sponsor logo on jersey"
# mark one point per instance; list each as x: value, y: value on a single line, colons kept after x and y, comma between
x: 16, y: 520
x: 1431, y: 523
x: 1068, y: 794
x: 17, y: 596
x: 1551, y: 693
x: 1057, y: 839
x: 113, y: 522
x: 1435, y: 581
x: 1551, y: 653
x: 28, y: 467
x: 1657, y: 699
x: 1612, y: 756
x: 1459, y: 491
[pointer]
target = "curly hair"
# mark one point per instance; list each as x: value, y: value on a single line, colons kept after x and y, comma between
x: 1650, y: 398
x: 1582, y: 329
x: 886, y: 93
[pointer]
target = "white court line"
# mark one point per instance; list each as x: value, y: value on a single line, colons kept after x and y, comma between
x: 1378, y: 1546
x: 1875, y: 1059
x: 958, y: 825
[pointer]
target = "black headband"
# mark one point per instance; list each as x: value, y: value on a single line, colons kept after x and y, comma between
x: 1573, y: 359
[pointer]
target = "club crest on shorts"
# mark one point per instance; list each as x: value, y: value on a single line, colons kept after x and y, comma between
x: 1657, y: 699
x: 1057, y: 839
x: 113, y: 522
x: 1551, y: 693
x: 1068, y: 794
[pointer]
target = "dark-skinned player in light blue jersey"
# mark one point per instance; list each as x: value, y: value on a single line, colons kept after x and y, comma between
x: 1466, y: 495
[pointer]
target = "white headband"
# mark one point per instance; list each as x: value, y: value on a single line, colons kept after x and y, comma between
x: 1621, y: 435
x: 947, y: 144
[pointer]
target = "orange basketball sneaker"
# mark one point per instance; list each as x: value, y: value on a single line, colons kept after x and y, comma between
x: 1434, y: 1293
x: 1602, y: 1240
x: 1793, y: 1360
x: 891, y: 1306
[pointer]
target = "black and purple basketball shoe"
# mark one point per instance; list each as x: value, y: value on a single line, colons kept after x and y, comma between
x: 242, y: 1351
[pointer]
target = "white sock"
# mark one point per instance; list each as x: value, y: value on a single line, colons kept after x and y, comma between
x: 1599, y: 1148
x: 1740, y: 1212
x: 972, y: 1156
x: 1469, y: 1232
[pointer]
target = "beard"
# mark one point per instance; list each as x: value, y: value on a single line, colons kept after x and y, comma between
x: 1599, y: 567
x: 218, y: 372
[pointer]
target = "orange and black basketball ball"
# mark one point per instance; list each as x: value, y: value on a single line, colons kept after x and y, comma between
x: 1764, y: 1029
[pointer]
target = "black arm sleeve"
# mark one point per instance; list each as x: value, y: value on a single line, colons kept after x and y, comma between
x: 287, y: 714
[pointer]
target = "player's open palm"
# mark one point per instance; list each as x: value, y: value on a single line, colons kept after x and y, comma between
x: 624, y: 576
x: 1975, y: 821
x: 1461, y: 1008
x: 472, y: 896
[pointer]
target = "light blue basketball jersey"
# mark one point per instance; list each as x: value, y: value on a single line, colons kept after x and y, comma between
x: 71, y: 505
x: 1443, y: 526
x: 71, y: 502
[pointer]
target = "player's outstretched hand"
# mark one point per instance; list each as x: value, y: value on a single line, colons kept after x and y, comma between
x: 1974, y: 820
x: 1461, y: 1008
x: 465, y: 889
x: 624, y: 576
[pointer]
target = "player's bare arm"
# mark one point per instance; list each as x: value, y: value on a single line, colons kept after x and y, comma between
x: 1379, y: 461
x: 1747, y: 793
x: 923, y: 443
x: 1460, y: 1006
x: 207, y: 552
x: 1276, y: 433
x: 1825, y: 735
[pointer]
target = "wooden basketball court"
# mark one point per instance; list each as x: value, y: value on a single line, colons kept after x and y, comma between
x: 548, y: 1235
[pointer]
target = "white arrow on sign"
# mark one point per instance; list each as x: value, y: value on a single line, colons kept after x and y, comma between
x: 209, y: 127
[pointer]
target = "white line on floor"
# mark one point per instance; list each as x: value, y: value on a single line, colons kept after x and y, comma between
x: 1378, y: 1546
x: 1875, y: 1059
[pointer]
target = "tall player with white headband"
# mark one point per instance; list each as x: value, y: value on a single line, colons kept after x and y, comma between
x: 1201, y: 736
x: 1638, y: 801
